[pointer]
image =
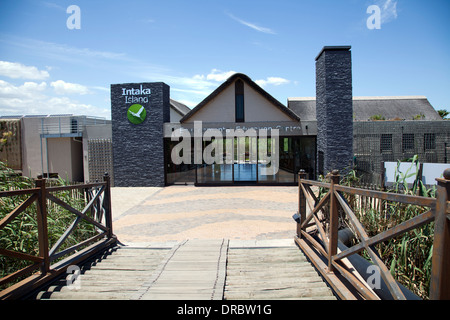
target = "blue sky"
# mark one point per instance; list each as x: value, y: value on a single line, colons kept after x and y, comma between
x: 193, y: 46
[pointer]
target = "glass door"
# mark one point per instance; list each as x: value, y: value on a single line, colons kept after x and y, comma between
x: 245, y: 159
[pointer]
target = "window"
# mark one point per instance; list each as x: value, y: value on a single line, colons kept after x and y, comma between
x: 386, y: 143
x: 286, y: 144
x: 429, y: 140
x: 73, y: 125
x: 239, y: 104
x: 408, y: 142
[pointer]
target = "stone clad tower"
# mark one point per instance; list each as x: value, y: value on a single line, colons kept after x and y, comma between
x: 334, y: 109
x: 138, y: 113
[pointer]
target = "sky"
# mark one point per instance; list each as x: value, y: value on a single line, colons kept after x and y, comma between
x: 56, y: 61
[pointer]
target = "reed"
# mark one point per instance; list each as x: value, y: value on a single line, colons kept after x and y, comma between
x: 21, y: 233
x: 409, y: 255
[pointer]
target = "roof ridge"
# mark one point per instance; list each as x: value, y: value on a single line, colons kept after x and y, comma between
x: 364, y: 98
x: 389, y: 97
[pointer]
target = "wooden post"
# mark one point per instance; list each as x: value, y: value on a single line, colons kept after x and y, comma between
x: 42, y: 226
x: 301, y: 201
x: 334, y: 220
x: 383, y: 175
x: 107, y: 202
x: 440, y: 272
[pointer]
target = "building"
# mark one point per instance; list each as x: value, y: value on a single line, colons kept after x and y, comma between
x: 333, y: 130
x: 239, y: 134
x: 389, y: 129
x: 241, y: 104
x: 74, y: 148
x: 55, y: 145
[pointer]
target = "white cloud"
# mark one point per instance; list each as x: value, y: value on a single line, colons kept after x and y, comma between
x: 56, y: 104
x: 62, y: 87
x: 105, y: 89
x: 388, y: 10
x: 62, y: 52
x: 27, y: 90
x: 30, y: 98
x: 194, y: 84
x: 252, y: 25
x: 276, y: 81
x: 219, y: 76
x: 198, y: 84
x: 16, y: 70
x: 198, y: 77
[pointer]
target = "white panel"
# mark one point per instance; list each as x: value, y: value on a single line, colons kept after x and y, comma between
x: 431, y: 171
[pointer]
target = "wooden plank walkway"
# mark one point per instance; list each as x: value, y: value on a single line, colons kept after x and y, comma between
x: 117, y: 274
x: 195, y: 270
x: 266, y: 273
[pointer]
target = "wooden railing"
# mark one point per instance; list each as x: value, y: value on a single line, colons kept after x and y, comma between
x: 319, y: 240
x: 96, y: 212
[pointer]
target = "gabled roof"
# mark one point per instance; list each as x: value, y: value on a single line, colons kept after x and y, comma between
x: 179, y: 107
x: 249, y: 82
x: 390, y: 108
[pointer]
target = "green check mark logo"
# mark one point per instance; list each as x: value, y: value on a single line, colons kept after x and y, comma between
x: 136, y: 114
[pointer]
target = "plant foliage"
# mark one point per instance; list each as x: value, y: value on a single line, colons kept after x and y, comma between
x: 21, y: 234
x: 409, y: 255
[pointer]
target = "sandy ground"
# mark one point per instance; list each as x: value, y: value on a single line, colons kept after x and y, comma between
x: 186, y: 212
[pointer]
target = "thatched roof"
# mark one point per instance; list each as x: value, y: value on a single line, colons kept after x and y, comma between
x: 389, y: 108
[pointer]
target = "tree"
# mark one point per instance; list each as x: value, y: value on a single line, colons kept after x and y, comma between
x: 443, y: 113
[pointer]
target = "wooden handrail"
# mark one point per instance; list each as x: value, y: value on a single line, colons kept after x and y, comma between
x: 12, y: 193
x: 99, y: 203
x: 328, y: 248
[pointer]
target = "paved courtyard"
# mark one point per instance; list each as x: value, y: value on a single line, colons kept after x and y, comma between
x: 176, y: 213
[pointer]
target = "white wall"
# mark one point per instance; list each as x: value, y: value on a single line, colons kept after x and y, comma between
x: 258, y: 108
x: 174, y: 116
x: 222, y: 108
x: 430, y: 172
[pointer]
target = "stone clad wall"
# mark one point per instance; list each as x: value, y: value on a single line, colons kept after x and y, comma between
x: 138, y: 149
x: 376, y: 142
x: 334, y: 108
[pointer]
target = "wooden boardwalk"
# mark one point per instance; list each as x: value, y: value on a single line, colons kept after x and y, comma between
x: 194, y: 270
x: 272, y: 273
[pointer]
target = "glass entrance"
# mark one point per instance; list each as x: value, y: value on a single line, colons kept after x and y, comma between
x: 243, y: 162
x: 246, y: 159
